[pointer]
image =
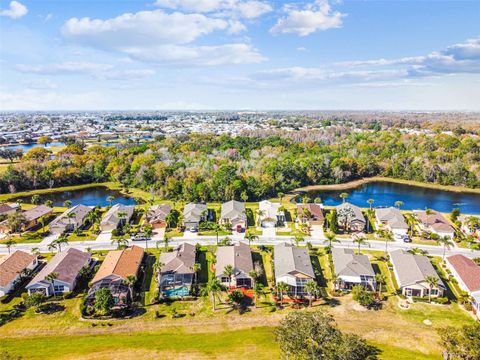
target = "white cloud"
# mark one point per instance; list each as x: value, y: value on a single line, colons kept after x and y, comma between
x: 236, y: 8
x: 156, y: 36
x: 317, y: 16
x: 131, y: 74
x: 16, y: 10
x: 69, y: 67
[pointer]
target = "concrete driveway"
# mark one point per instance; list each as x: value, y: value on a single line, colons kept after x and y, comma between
x: 269, y: 232
x: 104, y: 236
x: 317, y: 232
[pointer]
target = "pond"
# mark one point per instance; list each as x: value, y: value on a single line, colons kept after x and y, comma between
x: 413, y: 197
x: 26, y: 147
x: 94, y: 196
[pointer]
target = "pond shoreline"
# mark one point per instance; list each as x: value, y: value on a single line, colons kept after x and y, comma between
x: 357, y: 183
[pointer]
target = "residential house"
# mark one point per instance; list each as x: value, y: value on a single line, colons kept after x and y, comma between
x: 411, y: 272
x: 116, y: 267
x: 310, y: 214
x: 350, y: 217
x: 67, y: 223
x: 114, y: 219
x: 32, y: 218
x: 240, y: 258
x: 66, y: 265
x: 176, y: 272
x: 352, y: 269
x: 470, y: 227
x: 233, y: 214
x: 434, y: 223
x: 194, y: 214
x: 6, y: 210
x: 293, y: 267
x: 467, y: 274
x: 270, y: 214
x: 391, y: 218
x: 157, y: 214
x: 12, y: 267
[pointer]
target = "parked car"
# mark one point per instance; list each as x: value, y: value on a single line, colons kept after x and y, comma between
x: 140, y: 237
x: 407, y: 239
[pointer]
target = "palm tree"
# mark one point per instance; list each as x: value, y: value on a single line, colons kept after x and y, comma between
x: 67, y: 203
x: 380, y: 279
x: 62, y: 240
x: 447, y: 244
x: 130, y: 280
x: 217, y: 228
x: 260, y: 214
x: 472, y: 222
x: 280, y: 195
x: 330, y: 239
x: 166, y: 241
x: 71, y: 215
x: 282, y: 287
x: 370, y: 202
x: 417, y: 251
x: 110, y: 200
x: 250, y: 237
x: 398, y: 204
x: 49, y: 203
x: 9, y: 244
x: 432, y: 282
x: 35, y: 250
x: 52, y: 246
x: 428, y: 212
x: 388, y: 236
x: 344, y: 196
x: 35, y: 199
x: 297, y: 239
x: 50, y: 278
x: 228, y: 272
x: 334, y: 280
x: 312, y: 289
x: 42, y: 220
x: 120, y: 242
x: 213, y: 288
x: 148, y: 231
x: 305, y: 199
x: 257, y: 292
x: 169, y: 219
x: 360, y: 240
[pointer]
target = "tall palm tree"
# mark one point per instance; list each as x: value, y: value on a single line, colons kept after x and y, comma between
x: 257, y: 292
x: 110, y: 200
x: 398, y: 204
x: 282, y: 288
x: 387, y: 236
x: 312, y: 289
x: 196, y: 267
x: 49, y: 203
x: 67, y: 203
x: 35, y: 199
x: 130, y: 280
x: 432, y: 282
x: 297, y: 239
x: 330, y: 239
x: 260, y: 214
x: 250, y: 237
x: 472, y: 222
x: 9, y: 244
x: 446, y: 242
x: 380, y: 279
x: 50, y: 278
x: 166, y: 241
x: 71, y: 215
x: 344, y: 196
x: 334, y: 279
x: 213, y: 288
x: 120, y: 242
x: 360, y: 240
x: 62, y: 240
x: 280, y: 195
x: 370, y: 202
x: 228, y: 272
x: 35, y: 250
x: 217, y: 228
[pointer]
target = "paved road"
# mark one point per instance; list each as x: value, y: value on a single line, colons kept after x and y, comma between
x: 211, y: 240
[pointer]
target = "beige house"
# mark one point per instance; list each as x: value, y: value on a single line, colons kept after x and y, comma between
x: 411, y: 272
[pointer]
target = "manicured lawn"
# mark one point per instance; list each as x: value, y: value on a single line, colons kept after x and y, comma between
x: 166, y: 344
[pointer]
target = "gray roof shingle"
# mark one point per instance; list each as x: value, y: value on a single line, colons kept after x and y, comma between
x: 289, y: 259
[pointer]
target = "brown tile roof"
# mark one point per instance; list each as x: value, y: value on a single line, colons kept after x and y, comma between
x: 314, y: 209
x: 4, y: 208
x: 121, y: 263
x: 12, y: 265
x: 467, y: 270
x: 435, y: 220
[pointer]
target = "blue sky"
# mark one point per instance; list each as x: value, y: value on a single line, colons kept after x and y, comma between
x: 239, y: 54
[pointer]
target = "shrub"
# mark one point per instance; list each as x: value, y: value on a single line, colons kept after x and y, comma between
x: 36, y: 299
x: 362, y: 296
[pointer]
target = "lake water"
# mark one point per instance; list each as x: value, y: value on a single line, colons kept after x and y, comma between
x: 26, y: 147
x: 91, y: 197
x: 413, y: 197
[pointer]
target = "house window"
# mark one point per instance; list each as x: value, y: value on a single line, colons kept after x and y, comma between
x: 58, y: 288
x: 434, y: 292
x: 225, y: 279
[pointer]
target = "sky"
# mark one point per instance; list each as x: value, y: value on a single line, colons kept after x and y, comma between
x: 239, y: 55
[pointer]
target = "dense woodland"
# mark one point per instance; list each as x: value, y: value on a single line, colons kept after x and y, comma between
x: 210, y: 167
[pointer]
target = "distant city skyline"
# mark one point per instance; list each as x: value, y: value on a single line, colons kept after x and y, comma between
x: 239, y: 54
